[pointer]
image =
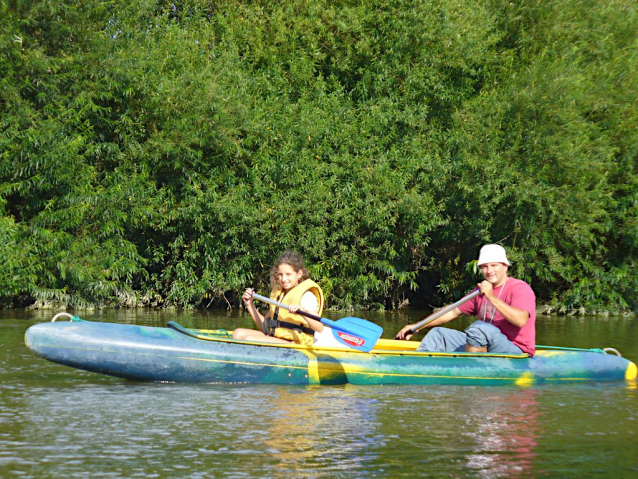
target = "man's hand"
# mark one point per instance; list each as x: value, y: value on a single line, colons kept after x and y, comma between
x: 405, y: 333
x: 486, y: 289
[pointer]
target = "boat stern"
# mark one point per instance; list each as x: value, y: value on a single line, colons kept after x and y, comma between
x: 631, y: 372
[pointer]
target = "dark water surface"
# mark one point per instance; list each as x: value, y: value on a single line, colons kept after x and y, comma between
x: 56, y: 421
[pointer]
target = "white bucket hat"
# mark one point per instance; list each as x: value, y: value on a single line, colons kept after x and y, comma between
x: 492, y: 253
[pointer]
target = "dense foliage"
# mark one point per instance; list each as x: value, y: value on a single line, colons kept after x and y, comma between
x: 164, y: 153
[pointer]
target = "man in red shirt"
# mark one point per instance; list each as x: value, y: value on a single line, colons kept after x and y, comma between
x: 506, y: 312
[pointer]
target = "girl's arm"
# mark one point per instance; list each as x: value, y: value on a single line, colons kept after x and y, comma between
x: 258, y: 318
x: 312, y: 323
x: 310, y: 305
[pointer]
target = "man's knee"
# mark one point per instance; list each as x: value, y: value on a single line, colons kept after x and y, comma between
x: 432, y: 341
x: 478, y: 334
x: 436, y: 332
x: 434, y: 337
x: 442, y: 339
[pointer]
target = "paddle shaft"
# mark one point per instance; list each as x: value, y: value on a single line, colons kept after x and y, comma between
x: 259, y: 297
x: 359, y: 333
x: 325, y: 321
x: 421, y: 324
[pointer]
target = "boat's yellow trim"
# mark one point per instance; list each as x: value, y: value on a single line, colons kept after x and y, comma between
x: 409, y: 348
x: 394, y: 344
x: 386, y: 347
x: 316, y: 372
x: 320, y: 372
x: 314, y: 376
x: 526, y: 379
x: 631, y: 372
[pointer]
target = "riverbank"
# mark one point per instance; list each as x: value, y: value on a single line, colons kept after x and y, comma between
x: 543, y: 309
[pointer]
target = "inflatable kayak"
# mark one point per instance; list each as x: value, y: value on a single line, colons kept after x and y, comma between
x: 178, y: 354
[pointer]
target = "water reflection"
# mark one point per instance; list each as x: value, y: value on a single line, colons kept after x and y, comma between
x: 320, y: 428
x: 505, y: 429
x: 127, y: 429
x: 58, y: 421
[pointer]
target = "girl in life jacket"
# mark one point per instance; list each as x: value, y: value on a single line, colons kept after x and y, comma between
x: 291, y: 285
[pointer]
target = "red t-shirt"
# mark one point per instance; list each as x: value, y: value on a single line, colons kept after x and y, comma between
x: 516, y: 293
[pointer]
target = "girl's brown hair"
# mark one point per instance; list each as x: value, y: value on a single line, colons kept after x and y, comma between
x: 295, y: 261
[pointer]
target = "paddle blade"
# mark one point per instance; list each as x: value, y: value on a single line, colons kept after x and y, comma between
x: 355, y: 333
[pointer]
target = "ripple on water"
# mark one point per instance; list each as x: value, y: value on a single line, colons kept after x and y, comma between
x: 63, y: 422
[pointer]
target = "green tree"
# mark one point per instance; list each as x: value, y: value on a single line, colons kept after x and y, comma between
x: 165, y: 153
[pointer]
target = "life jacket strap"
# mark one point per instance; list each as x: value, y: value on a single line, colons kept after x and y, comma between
x: 269, y: 325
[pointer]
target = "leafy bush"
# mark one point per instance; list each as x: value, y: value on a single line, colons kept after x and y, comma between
x: 165, y: 153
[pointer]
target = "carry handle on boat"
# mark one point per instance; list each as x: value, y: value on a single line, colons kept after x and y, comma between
x: 352, y: 332
x: 421, y: 324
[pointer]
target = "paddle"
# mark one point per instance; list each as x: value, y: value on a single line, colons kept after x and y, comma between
x: 421, y: 324
x: 356, y: 333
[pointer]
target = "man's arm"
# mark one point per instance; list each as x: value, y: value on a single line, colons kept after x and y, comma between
x: 406, y: 334
x: 518, y: 317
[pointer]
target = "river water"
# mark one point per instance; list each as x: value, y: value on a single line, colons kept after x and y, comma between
x: 56, y: 421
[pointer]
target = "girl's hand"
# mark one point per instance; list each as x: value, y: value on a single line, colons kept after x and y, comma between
x: 293, y: 308
x: 248, y: 296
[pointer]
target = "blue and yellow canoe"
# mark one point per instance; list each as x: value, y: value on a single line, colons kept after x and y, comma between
x: 178, y: 354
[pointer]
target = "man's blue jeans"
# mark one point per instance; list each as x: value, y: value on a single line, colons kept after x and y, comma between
x: 479, y: 334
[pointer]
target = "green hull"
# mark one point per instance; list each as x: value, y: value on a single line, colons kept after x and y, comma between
x: 177, y: 354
